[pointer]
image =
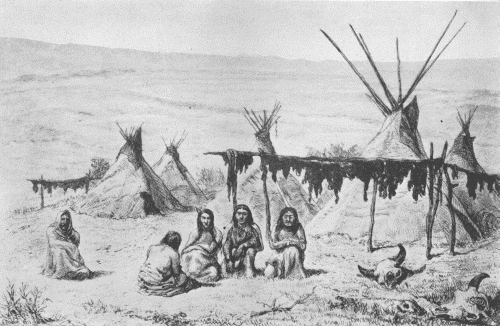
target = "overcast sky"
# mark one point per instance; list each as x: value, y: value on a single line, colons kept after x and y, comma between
x: 280, y: 28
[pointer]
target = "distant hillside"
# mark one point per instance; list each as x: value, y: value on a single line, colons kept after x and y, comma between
x: 24, y: 57
x: 21, y: 56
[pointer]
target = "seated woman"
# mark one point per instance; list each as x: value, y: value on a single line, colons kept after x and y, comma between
x: 161, y: 273
x: 243, y: 241
x: 289, y: 243
x: 199, y: 257
x: 63, y: 257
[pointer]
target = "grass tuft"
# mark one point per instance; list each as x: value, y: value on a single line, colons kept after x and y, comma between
x: 23, y: 305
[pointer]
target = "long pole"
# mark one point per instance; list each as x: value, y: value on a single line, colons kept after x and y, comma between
x: 372, y: 216
x: 453, y: 231
x: 41, y: 191
x: 87, y: 182
x: 235, y: 197
x: 428, y: 218
x: 268, y: 207
x: 436, y: 198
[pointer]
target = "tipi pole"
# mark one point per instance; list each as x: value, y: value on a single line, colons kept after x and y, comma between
x: 87, y: 182
x: 431, y: 215
x: 41, y: 191
x: 268, y: 207
x: 235, y: 197
x: 428, y: 229
x: 453, y: 231
x: 372, y: 216
x: 400, y: 97
x: 287, y: 203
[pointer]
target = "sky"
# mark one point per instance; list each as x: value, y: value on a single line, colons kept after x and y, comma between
x: 267, y: 28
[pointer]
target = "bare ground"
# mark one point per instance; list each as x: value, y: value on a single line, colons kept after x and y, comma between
x: 115, y: 250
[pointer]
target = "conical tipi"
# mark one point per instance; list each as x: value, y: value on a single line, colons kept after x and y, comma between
x: 462, y: 153
x: 130, y: 188
x: 284, y: 192
x: 400, y: 219
x: 177, y: 177
x: 483, y: 211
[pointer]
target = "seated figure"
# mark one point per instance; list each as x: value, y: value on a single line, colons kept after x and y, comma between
x: 243, y: 241
x: 63, y: 257
x: 199, y: 256
x: 289, y: 243
x: 161, y: 273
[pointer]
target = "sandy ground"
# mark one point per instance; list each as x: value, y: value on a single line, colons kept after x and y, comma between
x: 110, y: 248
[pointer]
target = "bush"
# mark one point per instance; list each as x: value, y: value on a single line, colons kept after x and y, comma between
x: 211, y: 181
x: 23, y: 305
x: 335, y: 150
x: 98, y: 168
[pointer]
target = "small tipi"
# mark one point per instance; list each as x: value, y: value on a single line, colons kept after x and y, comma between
x: 130, y: 188
x: 284, y: 192
x: 484, y: 209
x: 177, y: 178
x: 400, y: 219
x: 462, y: 153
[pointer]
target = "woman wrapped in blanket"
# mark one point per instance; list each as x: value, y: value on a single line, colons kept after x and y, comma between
x: 161, y: 273
x: 243, y: 241
x: 63, y: 257
x: 199, y: 256
x: 289, y: 243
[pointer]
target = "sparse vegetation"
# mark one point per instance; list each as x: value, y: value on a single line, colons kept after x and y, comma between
x: 25, y: 210
x: 211, y: 181
x: 335, y: 150
x: 98, y: 307
x: 23, y: 305
x: 99, y: 167
x: 178, y: 319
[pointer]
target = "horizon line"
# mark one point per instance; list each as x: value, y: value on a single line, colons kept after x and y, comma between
x: 233, y: 56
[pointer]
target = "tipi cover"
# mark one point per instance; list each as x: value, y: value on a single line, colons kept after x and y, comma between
x: 284, y: 192
x: 130, y: 188
x: 400, y: 219
x: 177, y: 178
x: 484, y: 210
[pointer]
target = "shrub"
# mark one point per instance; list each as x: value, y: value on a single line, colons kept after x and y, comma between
x: 211, y: 181
x: 23, y: 305
x: 98, y: 168
x: 335, y: 150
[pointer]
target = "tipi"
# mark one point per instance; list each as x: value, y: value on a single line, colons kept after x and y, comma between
x: 462, y: 153
x: 284, y: 192
x: 177, y: 178
x: 130, y: 188
x: 484, y: 209
x: 400, y: 219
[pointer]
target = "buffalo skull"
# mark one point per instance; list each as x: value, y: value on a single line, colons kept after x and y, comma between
x: 389, y: 272
x: 469, y: 306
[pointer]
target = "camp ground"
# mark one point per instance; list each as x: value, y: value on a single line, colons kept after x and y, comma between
x: 123, y: 169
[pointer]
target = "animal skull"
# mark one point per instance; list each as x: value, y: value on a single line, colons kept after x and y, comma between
x: 389, y: 272
x: 469, y: 306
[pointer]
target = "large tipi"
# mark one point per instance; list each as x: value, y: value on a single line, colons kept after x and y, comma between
x: 483, y: 210
x: 284, y: 192
x: 400, y: 219
x: 130, y: 188
x: 177, y: 178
